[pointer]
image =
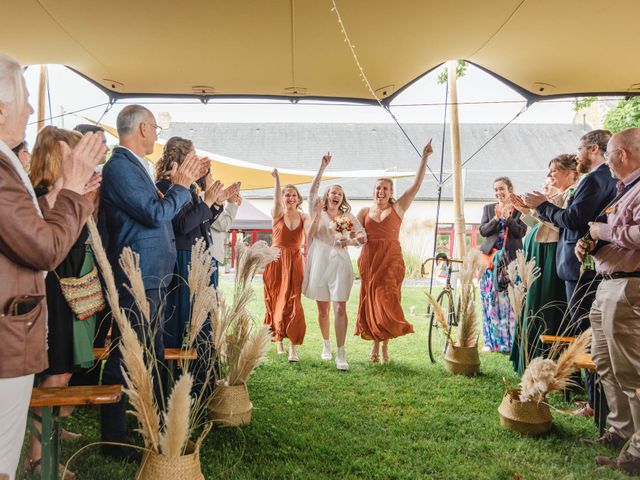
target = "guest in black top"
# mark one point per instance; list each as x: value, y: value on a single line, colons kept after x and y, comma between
x: 192, y: 222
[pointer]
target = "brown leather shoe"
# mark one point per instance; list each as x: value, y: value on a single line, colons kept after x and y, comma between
x: 625, y: 462
x: 609, y: 440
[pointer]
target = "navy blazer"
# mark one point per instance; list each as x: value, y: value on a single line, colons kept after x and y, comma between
x: 193, y: 221
x: 489, y: 230
x: 594, y: 192
x: 134, y: 215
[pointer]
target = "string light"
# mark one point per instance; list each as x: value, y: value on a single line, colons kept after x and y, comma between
x: 364, y: 79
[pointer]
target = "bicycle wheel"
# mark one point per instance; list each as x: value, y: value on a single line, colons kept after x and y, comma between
x: 437, y: 335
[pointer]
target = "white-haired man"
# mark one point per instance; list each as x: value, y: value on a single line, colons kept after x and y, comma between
x: 615, y: 314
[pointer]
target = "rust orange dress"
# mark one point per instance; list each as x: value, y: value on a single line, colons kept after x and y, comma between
x: 283, y: 285
x: 380, y: 315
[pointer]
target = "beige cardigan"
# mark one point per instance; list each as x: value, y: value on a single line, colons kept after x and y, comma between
x: 548, y: 232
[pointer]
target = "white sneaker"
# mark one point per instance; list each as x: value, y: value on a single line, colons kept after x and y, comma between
x: 341, y: 359
x: 326, y: 351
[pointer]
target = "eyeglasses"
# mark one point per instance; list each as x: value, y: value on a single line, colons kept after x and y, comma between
x: 607, y: 154
x: 158, y: 128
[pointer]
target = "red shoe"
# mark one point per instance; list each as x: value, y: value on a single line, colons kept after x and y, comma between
x: 584, y: 410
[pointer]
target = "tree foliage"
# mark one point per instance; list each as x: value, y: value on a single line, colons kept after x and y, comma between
x: 581, y: 103
x: 625, y: 115
x: 461, y: 69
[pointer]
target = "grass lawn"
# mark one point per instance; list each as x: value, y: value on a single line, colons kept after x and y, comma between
x: 405, y: 420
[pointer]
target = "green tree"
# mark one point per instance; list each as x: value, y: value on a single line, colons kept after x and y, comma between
x: 461, y: 69
x: 625, y: 115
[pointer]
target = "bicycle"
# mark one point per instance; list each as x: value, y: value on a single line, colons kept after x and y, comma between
x: 438, y: 339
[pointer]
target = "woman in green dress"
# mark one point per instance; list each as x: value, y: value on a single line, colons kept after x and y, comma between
x: 546, y: 301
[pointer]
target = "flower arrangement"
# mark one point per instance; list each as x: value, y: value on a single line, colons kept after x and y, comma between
x: 343, y: 226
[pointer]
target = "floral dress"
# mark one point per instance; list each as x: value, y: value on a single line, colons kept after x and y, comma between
x: 498, y: 319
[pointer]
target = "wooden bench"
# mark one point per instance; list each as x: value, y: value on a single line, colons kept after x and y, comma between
x: 173, y: 356
x: 50, y: 400
x: 551, y: 339
x: 170, y: 354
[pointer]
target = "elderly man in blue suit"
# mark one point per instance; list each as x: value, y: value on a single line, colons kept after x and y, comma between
x: 595, y: 190
x: 134, y: 214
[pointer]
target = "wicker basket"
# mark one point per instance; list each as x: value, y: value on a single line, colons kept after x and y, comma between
x: 462, y: 360
x: 155, y: 466
x: 230, y: 406
x: 529, y: 418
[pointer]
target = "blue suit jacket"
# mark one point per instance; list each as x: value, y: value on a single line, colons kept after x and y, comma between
x: 133, y: 214
x: 593, y: 193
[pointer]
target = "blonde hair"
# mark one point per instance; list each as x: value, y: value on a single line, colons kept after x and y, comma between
x: 46, y: 159
x: 344, y: 206
x: 390, y: 182
x: 293, y: 187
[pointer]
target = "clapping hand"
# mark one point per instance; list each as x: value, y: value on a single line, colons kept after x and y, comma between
x: 518, y: 203
x: 188, y: 172
x: 79, y: 163
x: 227, y: 193
x: 534, y: 199
x: 212, y: 190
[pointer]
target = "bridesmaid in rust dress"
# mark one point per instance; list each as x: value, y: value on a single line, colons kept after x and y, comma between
x: 380, y: 316
x: 283, y: 278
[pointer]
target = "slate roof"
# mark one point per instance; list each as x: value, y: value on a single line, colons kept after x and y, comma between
x: 520, y: 151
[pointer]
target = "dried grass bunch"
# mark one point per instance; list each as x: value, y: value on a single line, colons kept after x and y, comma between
x: 468, y: 321
x: 544, y: 375
x: 522, y: 274
x: 233, y: 333
x: 241, y: 345
x: 467, y: 333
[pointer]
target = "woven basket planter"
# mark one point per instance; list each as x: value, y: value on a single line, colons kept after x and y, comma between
x: 462, y: 360
x: 230, y: 406
x: 155, y: 466
x: 528, y: 418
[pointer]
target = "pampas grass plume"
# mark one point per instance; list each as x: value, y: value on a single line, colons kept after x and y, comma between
x: 537, y: 379
x: 176, y: 433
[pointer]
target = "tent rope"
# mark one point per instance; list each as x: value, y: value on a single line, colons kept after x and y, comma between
x: 365, y: 80
x: 50, y: 118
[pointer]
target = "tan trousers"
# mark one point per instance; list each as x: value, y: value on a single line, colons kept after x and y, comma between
x: 615, y: 319
x: 15, y: 394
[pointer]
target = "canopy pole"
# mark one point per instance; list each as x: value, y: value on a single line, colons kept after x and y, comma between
x: 456, y: 162
x: 42, y: 94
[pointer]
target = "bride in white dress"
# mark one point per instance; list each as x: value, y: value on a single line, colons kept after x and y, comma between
x: 328, y: 275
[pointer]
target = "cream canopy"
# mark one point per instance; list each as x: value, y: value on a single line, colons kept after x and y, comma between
x: 295, y: 48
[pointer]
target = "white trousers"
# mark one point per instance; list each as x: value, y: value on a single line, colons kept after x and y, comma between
x: 15, y: 394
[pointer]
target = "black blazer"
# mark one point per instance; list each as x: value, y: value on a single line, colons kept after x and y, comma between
x: 489, y: 230
x: 594, y: 192
x: 193, y: 221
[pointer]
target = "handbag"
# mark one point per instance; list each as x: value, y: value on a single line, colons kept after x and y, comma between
x: 84, y: 294
x: 502, y: 280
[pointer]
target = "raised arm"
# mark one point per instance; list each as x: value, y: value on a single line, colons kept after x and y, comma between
x: 311, y: 223
x: 276, y: 211
x: 315, y: 185
x: 404, y: 202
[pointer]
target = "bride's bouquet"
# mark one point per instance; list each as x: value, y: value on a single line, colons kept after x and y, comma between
x: 343, y: 227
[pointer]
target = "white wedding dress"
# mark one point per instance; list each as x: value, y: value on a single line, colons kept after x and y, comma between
x: 328, y: 272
